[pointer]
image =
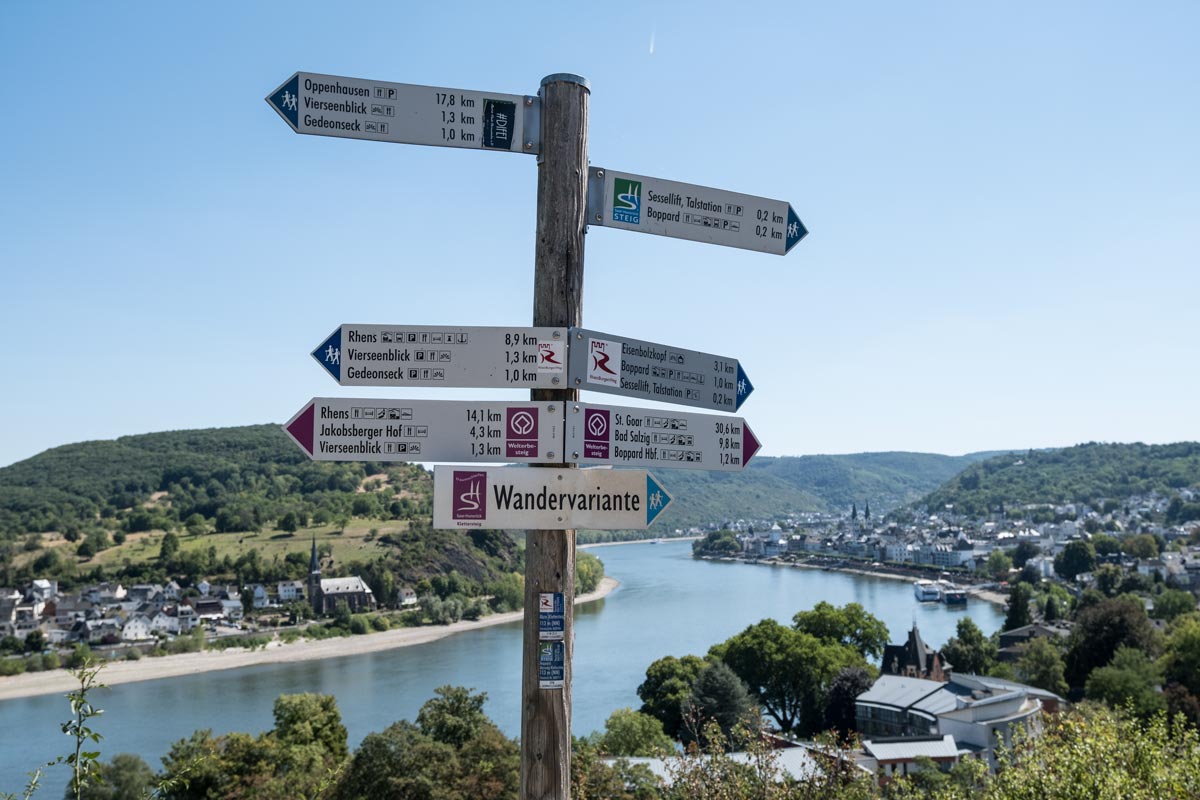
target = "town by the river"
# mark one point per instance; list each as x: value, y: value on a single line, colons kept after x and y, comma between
x: 667, y: 604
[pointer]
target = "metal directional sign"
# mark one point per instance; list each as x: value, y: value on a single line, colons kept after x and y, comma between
x: 355, y: 108
x: 602, y: 362
x: 514, y: 498
x: 445, y: 356
x: 686, y: 211
x: 357, y: 429
x: 645, y: 437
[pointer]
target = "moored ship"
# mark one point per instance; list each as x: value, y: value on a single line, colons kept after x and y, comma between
x: 926, y: 591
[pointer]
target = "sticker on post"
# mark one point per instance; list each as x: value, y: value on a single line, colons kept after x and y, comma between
x: 551, y: 616
x: 604, y: 362
x: 552, y: 665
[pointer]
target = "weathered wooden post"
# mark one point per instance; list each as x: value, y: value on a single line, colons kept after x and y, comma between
x: 550, y: 554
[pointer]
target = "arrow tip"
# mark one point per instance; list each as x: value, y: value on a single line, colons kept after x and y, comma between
x: 750, y: 445
x: 300, y: 428
x: 744, y: 387
x: 657, y: 499
x: 285, y: 101
x: 795, y: 230
x: 329, y: 354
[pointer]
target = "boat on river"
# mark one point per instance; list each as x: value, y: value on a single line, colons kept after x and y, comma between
x: 950, y: 594
x: 926, y: 591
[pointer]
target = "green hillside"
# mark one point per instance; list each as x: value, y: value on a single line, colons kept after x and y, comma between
x: 1086, y: 473
x: 241, y: 502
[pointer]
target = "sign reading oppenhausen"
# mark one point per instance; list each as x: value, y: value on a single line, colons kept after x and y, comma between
x: 645, y: 437
x: 357, y: 429
x: 514, y: 498
x: 445, y: 356
x: 356, y: 108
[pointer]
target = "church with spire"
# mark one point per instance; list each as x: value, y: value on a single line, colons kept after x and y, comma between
x: 324, y: 594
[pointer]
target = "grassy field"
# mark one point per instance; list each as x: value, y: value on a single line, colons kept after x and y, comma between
x: 355, y: 543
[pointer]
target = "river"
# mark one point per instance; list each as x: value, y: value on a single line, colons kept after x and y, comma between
x: 667, y: 604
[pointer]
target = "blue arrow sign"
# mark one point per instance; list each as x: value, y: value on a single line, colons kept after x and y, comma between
x: 795, y: 229
x: 744, y: 386
x: 657, y: 499
x: 329, y: 354
x: 286, y: 102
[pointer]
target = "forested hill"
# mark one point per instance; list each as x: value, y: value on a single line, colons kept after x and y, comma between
x: 773, y: 487
x: 1085, y: 473
x: 249, y: 478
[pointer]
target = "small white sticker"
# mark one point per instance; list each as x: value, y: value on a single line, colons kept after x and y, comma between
x: 604, y: 362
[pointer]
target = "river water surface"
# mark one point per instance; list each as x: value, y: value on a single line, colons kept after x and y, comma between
x: 667, y: 604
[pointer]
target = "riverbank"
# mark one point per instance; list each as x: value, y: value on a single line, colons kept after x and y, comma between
x: 59, y: 681
x: 656, y: 540
x: 987, y: 595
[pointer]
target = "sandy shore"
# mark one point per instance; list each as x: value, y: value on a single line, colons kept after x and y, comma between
x: 60, y: 681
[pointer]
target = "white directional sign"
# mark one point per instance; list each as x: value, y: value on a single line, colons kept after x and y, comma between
x: 358, y: 429
x: 602, y: 362
x: 355, y: 108
x: 644, y: 437
x: 513, y: 498
x: 686, y: 211
x: 445, y: 356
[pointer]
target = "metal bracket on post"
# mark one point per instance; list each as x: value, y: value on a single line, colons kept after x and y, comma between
x: 595, y: 196
x: 532, y: 126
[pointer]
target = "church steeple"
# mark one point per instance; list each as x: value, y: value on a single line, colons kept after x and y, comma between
x: 314, y: 579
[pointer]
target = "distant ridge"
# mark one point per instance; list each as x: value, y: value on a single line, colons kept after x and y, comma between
x: 1086, y: 473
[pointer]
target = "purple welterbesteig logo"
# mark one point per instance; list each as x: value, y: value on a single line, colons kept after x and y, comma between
x: 521, y: 439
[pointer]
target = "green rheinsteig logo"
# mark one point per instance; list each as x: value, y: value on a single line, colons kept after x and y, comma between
x: 627, y: 201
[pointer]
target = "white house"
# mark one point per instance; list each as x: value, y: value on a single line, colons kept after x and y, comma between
x: 136, y: 629
x: 290, y: 591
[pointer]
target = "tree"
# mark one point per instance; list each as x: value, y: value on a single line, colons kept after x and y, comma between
x: 1102, y: 628
x: 668, y: 683
x: 126, y: 777
x: 631, y: 733
x: 1041, y: 665
x: 1023, y: 552
x: 788, y: 671
x: 1129, y: 681
x: 1105, y: 545
x: 1098, y: 752
x: 1051, y: 611
x: 969, y: 652
x: 1108, y: 579
x: 453, y: 716
x: 1182, y: 658
x: 998, y: 564
x: 849, y: 625
x: 1172, y: 603
x: 1018, y: 607
x: 308, y: 719
x: 844, y: 689
x: 169, y: 548
x: 400, y: 761
x: 1141, y: 546
x: 719, y: 696
x: 1075, y: 558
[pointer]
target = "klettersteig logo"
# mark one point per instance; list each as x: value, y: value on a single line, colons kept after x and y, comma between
x: 627, y: 201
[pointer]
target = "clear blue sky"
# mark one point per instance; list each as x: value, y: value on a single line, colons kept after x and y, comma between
x: 1003, y: 199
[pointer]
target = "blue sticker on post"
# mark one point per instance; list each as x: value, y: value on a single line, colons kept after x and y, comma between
x: 551, y: 669
x: 551, y: 616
